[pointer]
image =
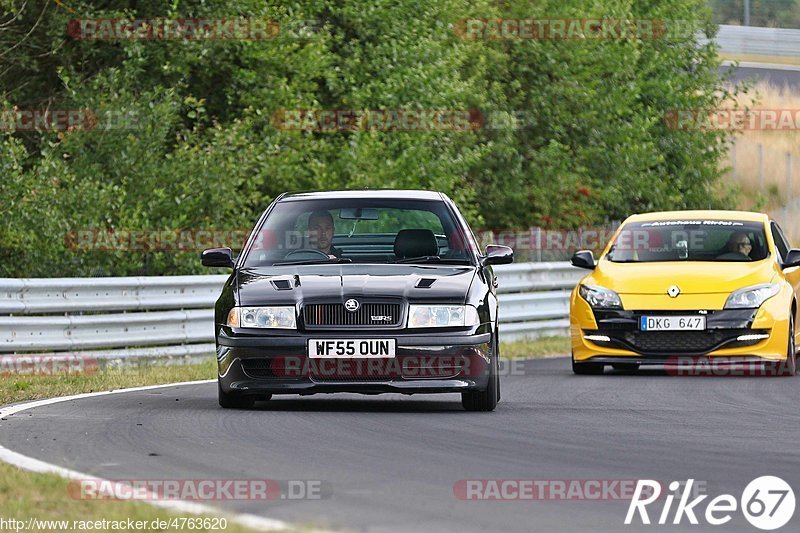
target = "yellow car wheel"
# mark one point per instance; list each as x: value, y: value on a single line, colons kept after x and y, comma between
x: 584, y: 369
x: 789, y: 366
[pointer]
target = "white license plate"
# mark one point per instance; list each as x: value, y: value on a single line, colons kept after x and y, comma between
x: 672, y: 323
x: 351, y: 348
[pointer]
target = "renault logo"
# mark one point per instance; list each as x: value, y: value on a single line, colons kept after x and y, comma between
x: 352, y: 305
x: 674, y: 291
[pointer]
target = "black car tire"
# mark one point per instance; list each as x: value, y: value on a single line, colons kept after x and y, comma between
x: 231, y: 401
x: 587, y: 369
x: 485, y: 400
x: 789, y: 366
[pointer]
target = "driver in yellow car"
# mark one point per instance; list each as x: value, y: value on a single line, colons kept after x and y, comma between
x: 737, y: 248
x: 320, y: 233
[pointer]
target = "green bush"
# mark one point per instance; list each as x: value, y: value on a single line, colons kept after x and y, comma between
x: 574, y: 133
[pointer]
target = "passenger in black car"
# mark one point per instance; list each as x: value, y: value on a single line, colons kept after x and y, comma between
x: 320, y: 233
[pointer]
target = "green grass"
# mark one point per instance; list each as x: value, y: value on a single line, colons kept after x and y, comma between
x: 24, y: 495
x: 23, y: 388
x: 534, y: 349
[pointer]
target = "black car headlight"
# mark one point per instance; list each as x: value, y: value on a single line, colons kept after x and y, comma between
x: 262, y: 317
x: 441, y: 316
x: 600, y: 297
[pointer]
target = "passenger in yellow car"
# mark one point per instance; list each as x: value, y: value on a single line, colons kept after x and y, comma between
x: 738, y: 248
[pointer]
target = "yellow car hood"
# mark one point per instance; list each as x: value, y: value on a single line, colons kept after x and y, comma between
x: 692, y: 277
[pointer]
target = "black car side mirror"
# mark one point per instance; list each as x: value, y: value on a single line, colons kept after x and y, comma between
x: 792, y: 258
x: 583, y: 259
x: 217, y: 257
x: 498, y: 255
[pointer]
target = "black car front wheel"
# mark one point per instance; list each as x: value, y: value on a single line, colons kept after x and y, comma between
x: 485, y: 400
x: 232, y: 401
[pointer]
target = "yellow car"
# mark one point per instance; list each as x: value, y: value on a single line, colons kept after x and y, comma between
x: 688, y: 285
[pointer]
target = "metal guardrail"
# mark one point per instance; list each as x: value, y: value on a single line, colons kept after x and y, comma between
x: 112, y: 318
x: 749, y: 40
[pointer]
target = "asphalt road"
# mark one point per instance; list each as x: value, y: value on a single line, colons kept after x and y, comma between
x: 390, y: 462
x: 777, y: 75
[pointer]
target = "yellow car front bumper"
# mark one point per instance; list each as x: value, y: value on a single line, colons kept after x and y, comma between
x: 628, y: 344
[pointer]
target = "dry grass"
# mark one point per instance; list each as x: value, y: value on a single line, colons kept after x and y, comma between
x: 751, y: 58
x: 768, y: 190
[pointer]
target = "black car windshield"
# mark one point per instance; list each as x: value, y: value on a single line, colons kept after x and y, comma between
x: 318, y: 231
x: 689, y: 240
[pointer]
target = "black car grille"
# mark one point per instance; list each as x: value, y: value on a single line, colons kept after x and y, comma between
x: 369, y: 314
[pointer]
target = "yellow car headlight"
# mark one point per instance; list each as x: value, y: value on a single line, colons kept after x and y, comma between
x: 600, y: 297
x: 751, y: 297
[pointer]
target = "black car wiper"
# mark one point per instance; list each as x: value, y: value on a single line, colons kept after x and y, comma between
x: 314, y: 261
x: 432, y: 259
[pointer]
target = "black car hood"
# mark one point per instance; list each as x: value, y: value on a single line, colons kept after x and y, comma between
x: 285, y: 285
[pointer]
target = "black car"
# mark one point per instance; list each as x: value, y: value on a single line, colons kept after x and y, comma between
x: 359, y: 291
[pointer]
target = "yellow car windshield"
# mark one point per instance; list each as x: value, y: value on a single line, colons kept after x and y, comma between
x: 689, y: 240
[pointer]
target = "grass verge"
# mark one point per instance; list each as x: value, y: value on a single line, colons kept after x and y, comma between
x: 535, y: 349
x: 23, y: 388
x: 43, y: 497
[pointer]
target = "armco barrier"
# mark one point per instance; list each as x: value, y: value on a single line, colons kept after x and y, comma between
x: 172, y: 316
x: 749, y: 40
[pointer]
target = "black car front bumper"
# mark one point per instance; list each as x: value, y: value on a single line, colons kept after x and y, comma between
x: 424, y: 363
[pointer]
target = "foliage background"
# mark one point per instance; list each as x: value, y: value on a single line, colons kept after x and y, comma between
x: 576, y: 134
x: 767, y: 13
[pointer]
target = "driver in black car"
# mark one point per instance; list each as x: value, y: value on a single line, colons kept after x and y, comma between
x: 320, y: 233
